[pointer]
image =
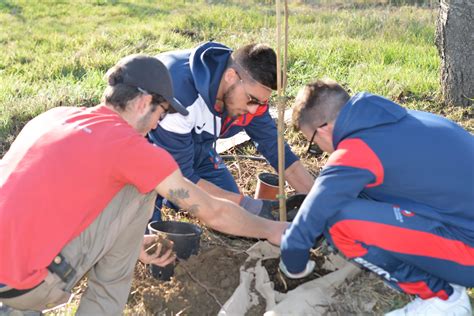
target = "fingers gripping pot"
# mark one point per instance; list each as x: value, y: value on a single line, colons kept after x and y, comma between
x: 186, y: 238
x: 160, y: 241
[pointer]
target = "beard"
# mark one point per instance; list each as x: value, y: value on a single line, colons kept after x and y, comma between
x: 144, y: 124
x: 227, y: 100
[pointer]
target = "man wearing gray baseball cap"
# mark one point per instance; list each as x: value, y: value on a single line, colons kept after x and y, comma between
x: 91, y: 178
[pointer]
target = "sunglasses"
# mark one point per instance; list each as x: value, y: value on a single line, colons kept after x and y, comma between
x: 252, y: 101
x: 165, y: 111
x: 157, y: 99
x: 314, y: 149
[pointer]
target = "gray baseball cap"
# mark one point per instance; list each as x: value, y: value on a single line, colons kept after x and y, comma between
x: 149, y: 74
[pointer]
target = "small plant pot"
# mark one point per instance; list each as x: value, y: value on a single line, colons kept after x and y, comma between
x: 186, y: 238
x: 293, y: 204
x: 267, y: 186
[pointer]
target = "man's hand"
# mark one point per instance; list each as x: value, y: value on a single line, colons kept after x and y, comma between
x: 251, y: 205
x: 269, y: 210
x: 151, y: 252
x: 299, y: 178
x: 278, y: 228
x: 307, y: 271
x: 217, y: 213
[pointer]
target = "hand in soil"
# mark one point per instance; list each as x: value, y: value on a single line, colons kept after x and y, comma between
x: 157, y: 250
x: 307, y: 271
x: 283, y: 284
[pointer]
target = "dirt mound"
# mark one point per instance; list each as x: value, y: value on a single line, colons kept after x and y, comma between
x: 200, y: 285
x: 284, y: 284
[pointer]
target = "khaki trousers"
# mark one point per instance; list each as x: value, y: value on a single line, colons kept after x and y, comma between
x: 106, y: 251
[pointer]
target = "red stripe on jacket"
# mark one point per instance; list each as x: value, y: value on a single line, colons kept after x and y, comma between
x: 347, y: 235
x: 354, y: 152
x: 421, y: 289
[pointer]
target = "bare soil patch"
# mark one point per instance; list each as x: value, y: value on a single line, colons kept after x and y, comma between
x: 200, y: 285
x: 284, y: 284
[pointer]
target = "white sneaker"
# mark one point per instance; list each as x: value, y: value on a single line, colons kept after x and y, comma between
x: 457, y: 304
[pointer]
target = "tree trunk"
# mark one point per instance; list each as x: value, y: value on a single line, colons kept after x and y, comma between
x: 455, y: 42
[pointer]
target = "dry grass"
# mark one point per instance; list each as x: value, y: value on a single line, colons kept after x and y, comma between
x: 366, y: 294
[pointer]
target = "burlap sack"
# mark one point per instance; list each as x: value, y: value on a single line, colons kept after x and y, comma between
x: 311, y: 298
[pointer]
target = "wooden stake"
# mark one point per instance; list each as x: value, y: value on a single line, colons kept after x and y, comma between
x: 281, y: 114
x: 285, y: 60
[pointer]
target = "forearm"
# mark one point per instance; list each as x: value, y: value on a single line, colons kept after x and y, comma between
x: 231, y: 219
x: 299, y: 178
x: 228, y: 217
x: 214, y: 190
x: 217, y: 213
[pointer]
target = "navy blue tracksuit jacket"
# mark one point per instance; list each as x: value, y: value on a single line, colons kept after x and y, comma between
x: 196, y: 75
x: 415, y: 224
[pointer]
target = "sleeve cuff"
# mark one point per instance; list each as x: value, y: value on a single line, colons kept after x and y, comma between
x: 295, y: 260
x: 290, y: 157
x: 194, y: 178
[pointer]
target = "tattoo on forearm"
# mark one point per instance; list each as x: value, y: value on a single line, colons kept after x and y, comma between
x: 177, y: 196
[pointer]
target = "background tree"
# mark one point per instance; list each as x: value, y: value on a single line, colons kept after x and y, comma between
x: 455, y: 42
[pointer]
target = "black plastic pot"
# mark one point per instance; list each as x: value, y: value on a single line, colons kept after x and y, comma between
x: 186, y: 238
x: 268, y: 178
x: 293, y: 204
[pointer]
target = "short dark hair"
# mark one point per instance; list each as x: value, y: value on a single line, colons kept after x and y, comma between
x: 318, y: 103
x: 119, y: 94
x: 259, y: 61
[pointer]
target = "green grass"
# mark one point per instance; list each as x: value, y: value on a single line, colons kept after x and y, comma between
x: 56, y: 52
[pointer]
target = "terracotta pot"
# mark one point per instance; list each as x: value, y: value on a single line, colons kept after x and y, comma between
x: 267, y: 186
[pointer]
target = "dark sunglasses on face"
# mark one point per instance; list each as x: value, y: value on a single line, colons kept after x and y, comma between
x: 252, y: 101
x: 159, y: 100
x: 165, y: 111
x: 314, y: 149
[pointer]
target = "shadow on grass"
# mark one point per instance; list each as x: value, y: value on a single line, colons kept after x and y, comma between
x: 77, y: 72
x: 353, y: 5
x: 13, y: 9
x: 194, y: 35
x: 135, y: 10
x: 332, y: 4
